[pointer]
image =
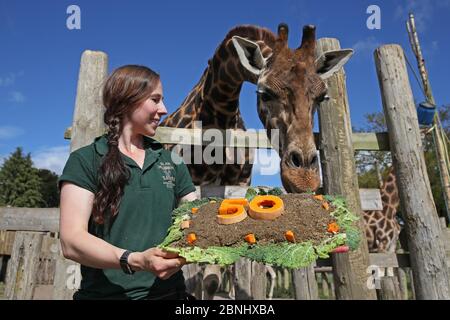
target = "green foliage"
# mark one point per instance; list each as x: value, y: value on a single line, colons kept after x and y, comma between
x: 346, y: 221
x: 367, y: 177
x: 287, y: 255
x: 250, y: 194
x: 20, y: 183
x: 49, y: 189
x: 259, y: 191
x: 275, y: 191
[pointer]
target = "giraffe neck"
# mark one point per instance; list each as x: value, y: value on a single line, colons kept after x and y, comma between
x: 389, y: 195
x: 215, y: 99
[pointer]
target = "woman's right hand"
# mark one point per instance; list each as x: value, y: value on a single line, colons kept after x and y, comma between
x: 161, y: 263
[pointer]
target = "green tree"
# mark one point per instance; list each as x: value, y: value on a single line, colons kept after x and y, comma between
x: 367, y: 176
x: 20, y: 183
x: 49, y: 190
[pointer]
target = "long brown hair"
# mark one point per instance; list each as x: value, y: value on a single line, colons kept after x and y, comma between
x: 125, y: 89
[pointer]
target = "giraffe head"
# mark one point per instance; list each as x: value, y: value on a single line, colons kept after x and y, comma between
x: 290, y: 86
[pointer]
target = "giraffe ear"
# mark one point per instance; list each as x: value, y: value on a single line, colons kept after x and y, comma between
x: 249, y: 54
x: 331, y: 62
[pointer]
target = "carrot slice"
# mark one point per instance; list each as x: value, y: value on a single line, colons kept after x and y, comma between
x: 266, y: 207
x: 191, y: 238
x: 250, y: 238
x: 326, y: 206
x: 232, y: 211
x: 230, y: 215
x: 289, y: 235
x: 318, y: 197
x: 194, y: 210
x: 333, y: 228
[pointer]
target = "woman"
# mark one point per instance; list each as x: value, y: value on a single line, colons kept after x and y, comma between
x: 117, y: 196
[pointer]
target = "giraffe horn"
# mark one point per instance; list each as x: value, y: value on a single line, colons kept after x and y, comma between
x: 283, y: 32
x: 308, y: 45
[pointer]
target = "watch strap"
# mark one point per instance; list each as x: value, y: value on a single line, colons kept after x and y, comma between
x: 124, y: 262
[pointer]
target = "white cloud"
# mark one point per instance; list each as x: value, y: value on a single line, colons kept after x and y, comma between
x: 266, y: 162
x: 366, y: 46
x: 17, y: 96
x: 423, y: 11
x: 10, y: 78
x: 9, y: 132
x: 52, y: 158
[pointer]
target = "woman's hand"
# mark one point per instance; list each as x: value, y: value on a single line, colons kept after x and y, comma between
x: 161, y: 263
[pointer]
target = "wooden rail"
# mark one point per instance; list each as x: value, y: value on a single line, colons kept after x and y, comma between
x: 254, y: 139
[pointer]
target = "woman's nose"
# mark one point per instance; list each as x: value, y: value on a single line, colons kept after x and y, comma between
x: 162, y: 108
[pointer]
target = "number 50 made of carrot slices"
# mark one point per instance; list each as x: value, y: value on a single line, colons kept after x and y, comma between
x: 266, y: 207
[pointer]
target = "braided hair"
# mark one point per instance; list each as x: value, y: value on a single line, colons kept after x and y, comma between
x: 125, y: 89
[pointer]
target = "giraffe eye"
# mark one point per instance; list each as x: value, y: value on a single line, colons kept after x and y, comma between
x: 266, y: 95
x: 322, y: 98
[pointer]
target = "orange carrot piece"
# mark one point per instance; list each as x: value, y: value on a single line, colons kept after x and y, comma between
x: 326, y: 206
x: 318, y: 197
x: 191, y: 237
x: 289, y: 235
x: 194, y: 210
x: 333, y: 227
x: 250, y: 238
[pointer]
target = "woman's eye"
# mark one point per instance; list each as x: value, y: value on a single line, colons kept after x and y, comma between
x: 156, y: 100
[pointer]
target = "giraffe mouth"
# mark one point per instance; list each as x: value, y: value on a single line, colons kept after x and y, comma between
x: 299, y: 180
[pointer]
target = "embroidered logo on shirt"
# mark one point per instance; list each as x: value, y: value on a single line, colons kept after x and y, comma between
x: 167, y: 170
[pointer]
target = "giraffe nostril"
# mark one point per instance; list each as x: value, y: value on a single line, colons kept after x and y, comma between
x: 296, y: 160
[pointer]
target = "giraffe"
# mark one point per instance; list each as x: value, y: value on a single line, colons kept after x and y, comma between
x: 382, y: 228
x: 290, y: 85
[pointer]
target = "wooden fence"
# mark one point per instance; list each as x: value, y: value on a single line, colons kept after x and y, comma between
x: 36, y: 270
x: 34, y: 246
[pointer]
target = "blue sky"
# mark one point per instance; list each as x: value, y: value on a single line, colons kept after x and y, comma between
x: 40, y: 56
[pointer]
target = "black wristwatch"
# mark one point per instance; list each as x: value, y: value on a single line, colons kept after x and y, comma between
x: 124, y: 263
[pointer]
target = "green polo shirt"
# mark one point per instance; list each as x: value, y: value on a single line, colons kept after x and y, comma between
x: 144, y: 216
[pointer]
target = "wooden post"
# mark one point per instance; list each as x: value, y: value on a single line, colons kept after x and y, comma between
x: 378, y: 172
x: 305, y: 284
x: 403, y: 283
x: 249, y: 279
x: 259, y: 281
x: 88, y: 115
x: 340, y: 178
x: 23, y: 266
x: 425, y: 238
x: 242, y: 275
x: 390, y: 288
x: 441, y: 153
x: 193, y: 276
x: 87, y: 125
x: 212, y: 278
